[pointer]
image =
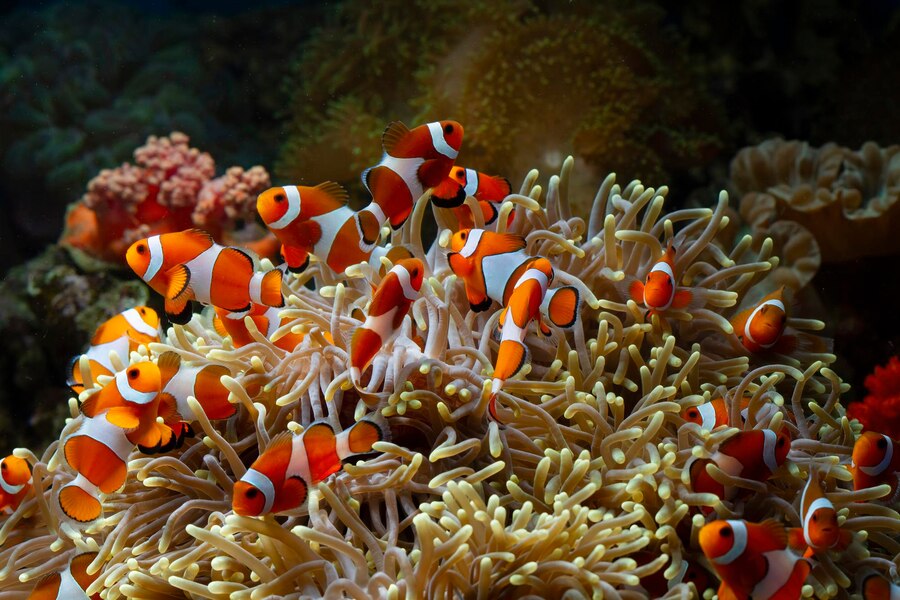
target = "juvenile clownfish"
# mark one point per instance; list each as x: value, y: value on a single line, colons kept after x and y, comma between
x: 413, y: 161
x: 188, y: 265
x: 390, y: 303
x: 98, y: 452
x: 68, y: 584
x: 873, y: 586
x: 123, y: 334
x: 714, y: 413
x: 875, y: 461
x: 267, y: 321
x: 761, y: 327
x: 659, y: 291
x: 523, y: 307
x: 279, y: 479
x: 491, y: 263
x: 753, y: 561
x: 754, y: 454
x: 15, y: 481
x: 820, y: 531
x: 180, y: 380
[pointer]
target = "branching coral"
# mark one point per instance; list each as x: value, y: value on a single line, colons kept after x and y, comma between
x: 586, y: 476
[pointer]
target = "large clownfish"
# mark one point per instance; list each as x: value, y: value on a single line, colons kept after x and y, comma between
x: 122, y: 334
x: 875, y: 587
x: 189, y: 265
x: 761, y: 327
x: 267, y: 321
x: 820, y: 531
x: 413, y: 161
x: 68, y: 584
x: 659, y: 291
x: 390, y: 303
x: 491, y: 263
x: 15, y: 481
x: 875, y: 461
x: 753, y: 561
x: 279, y: 479
x: 714, y: 413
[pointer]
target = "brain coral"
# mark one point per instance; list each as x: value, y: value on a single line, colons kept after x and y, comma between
x: 587, y: 473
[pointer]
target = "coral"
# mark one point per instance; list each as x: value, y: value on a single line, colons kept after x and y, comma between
x: 824, y: 190
x: 880, y: 409
x: 493, y: 68
x: 586, y: 476
x: 170, y: 187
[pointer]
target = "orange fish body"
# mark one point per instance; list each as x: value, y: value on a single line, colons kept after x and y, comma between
x: 123, y: 333
x: 875, y: 461
x: 68, y: 584
x: 875, y: 587
x: 820, y: 531
x: 714, y: 413
x: 266, y: 320
x: 15, y: 482
x: 761, y: 327
x: 491, y: 263
x: 280, y: 478
x: 180, y: 380
x: 659, y: 291
x: 753, y: 561
x: 488, y: 190
x: 390, y: 303
x: 414, y: 160
x: 188, y: 265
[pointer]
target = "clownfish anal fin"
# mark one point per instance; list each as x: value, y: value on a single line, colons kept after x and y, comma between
x: 297, y: 258
x: 461, y: 267
x: 393, y: 134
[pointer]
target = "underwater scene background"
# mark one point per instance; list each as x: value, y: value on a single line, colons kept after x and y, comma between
x: 371, y: 400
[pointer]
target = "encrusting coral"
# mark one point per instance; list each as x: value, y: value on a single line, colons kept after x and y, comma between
x: 587, y: 471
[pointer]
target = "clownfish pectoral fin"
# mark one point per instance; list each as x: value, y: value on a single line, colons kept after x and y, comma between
x: 563, y: 307
x: 432, y: 172
x: 125, y: 417
x: 809, y: 552
x: 179, y: 283
x: 448, y: 194
x: 297, y: 258
x: 89, y: 406
x: 78, y: 504
x: 502, y: 319
x: 682, y: 299
x: 796, y: 540
x: 393, y: 135
x: 636, y: 291
x: 309, y: 233
x: 541, y: 327
x: 461, y: 266
x: 726, y: 593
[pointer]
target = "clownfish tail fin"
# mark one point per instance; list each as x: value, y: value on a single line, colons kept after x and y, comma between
x: 270, y: 288
x: 562, y: 306
x: 363, y: 434
x: 79, y: 500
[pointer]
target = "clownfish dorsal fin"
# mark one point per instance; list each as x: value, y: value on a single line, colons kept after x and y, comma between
x: 231, y: 250
x: 168, y: 363
x: 776, y: 530
x: 279, y: 441
x: 179, y: 282
x: 334, y: 191
x: 502, y: 243
x: 393, y: 134
x: 199, y: 235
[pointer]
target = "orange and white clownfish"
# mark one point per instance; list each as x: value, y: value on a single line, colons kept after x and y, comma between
x: 820, y: 531
x: 873, y: 586
x: 98, y: 452
x: 761, y: 327
x: 267, y: 321
x: 15, y: 481
x: 523, y: 307
x: 390, y: 303
x: 714, y: 413
x: 414, y: 160
x: 189, y: 265
x: 754, y: 454
x: 180, y: 380
x: 659, y: 291
x: 488, y: 191
x: 491, y: 263
x: 753, y: 561
x: 279, y: 479
x: 123, y: 333
x: 68, y: 584
x: 875, y: 460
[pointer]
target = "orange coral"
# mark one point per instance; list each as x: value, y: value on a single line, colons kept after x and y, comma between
x: 880, y: 409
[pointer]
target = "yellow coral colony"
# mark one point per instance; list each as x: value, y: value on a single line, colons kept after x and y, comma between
x: 588, y: 470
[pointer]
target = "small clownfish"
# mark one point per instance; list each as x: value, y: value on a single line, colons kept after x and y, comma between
x: 491, y: 263
x: 279, y: 479
x: 267, y: 321
x: 15, y: 481
x: 875, y: 461
x: 820, y: 531
x: 659, y: 292
x: 68, y: 584
x: 98, y: 452
x: 413, y: 161
x: 523, y: 307
x: 180, y: 380
x: 488, y: 190
x: 754, y: 454
x: 714, y: 413
x: 123, y: 333
x: 753, y: 561
x: 873, y: 586
x: 390, y: 303
x: 761, y: 327
x: 189, y: 265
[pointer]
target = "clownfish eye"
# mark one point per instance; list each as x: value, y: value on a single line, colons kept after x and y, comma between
x: 141, y: 249
x: 882, y: 444
x: 780, y: 442
x: 280, y: 198
x: 725, y: 532
x: 448, y: 129
x: 815, y: 517
x: 463, y: 235
x: 251, y: 493
x: 693, y: 413
x: 415, y: 272
x: 133, y: 373
x: 3, y: 465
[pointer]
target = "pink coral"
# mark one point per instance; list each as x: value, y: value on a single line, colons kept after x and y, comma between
x: 880, y: 410
x: 170, y: 187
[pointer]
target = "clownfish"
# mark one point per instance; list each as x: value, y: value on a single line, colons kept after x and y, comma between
x: 267, y: 321
x: 491, y: 263
x: 761, y: 327
x: 15, y: 481
x: 659, y: 291
x: 820, y: 531
x: 523, y: 307
x: 68, y: 584
x: 413, y: 161
x: 488, y: 191
x: 753, y: 561
x: 873, y: 586
x: 714, y: 413
x: 279, y: 479
x: 178, y: 381
x: 874, y: 461
x: 189, y: 265
x: 98, y: 452
x: 390, y: 303
x: 754, y: 454
x: 123, y: 333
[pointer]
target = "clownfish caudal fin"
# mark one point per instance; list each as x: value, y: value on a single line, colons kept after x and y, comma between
x: 79, y: 501
x: 510, y: 359
x: 270, y: 288
x: 368, y: 227
x: 361, y: 436
x: 562, y: 308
